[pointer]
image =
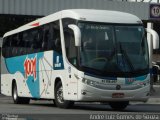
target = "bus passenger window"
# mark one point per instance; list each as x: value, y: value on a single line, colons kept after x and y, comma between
x: 45, y: 38
x: 56, y: 37
x: 51, y: 45
x: 6, y: 49
x: 26, y: 40
x: 15, y: 40
x: 70, y: 47
x: 34, y: 36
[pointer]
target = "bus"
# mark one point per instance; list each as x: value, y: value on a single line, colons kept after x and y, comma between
x: 78, y: 55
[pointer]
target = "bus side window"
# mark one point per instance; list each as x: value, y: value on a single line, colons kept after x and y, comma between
x: 69, y: 41
x: 26, y: 41
x: 34, y: 41
x: 38, y: 39
x: 20, y: 43
x: 15, y: 40
x: 51, y: 37
x: 51, y: 44
x: 45, y: 38
x: 70, y: 46
x: 6, y: 48
x: 56, y: 37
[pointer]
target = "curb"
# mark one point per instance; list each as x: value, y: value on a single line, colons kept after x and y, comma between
x: 155, y: 95
x: 1, y: 95
x: 153, y: 101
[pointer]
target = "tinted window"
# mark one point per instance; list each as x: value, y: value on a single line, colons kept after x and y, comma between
x: 51, y: 37
x: 70, y: 41
x: 43, y: 38
x: 6, y: 48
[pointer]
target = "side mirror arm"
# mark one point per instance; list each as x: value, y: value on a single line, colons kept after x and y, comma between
x: 155, y: 38
x: 77, y: 34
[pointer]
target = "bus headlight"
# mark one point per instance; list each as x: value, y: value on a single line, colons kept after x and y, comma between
x: 88, y: 82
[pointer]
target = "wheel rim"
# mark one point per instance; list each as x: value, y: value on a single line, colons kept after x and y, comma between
x: 15, y: 93
x: 60, y: 95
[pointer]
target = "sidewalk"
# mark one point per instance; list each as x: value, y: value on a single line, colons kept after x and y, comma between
x: 155, y: 96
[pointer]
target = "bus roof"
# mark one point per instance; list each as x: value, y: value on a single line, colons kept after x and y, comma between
x: 84, y: 15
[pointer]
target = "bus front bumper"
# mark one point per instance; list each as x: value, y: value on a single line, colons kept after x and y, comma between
x: 89, y: 93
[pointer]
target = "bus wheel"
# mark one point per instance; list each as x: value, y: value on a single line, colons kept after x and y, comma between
x: 119, y: 105
x: 16, y: 98
x: 59, y: 101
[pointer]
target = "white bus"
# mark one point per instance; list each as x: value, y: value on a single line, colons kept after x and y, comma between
x: 78, y: 55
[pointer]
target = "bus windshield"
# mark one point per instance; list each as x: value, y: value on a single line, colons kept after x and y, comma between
x: 115, y: 50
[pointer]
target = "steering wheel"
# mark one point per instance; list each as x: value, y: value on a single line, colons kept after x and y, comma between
x: 98, y: 59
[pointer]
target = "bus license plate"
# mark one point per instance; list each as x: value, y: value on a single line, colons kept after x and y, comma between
x: 118, y: 95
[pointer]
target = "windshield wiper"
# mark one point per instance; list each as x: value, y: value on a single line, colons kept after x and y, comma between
x: 92, y: 70
x: 126, y: 56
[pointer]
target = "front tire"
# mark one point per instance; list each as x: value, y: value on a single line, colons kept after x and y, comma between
x: 59, y: 101
x: 119, y: 105
x: 16, y: 98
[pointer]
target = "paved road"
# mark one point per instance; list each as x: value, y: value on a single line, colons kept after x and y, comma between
x: 81, y: 111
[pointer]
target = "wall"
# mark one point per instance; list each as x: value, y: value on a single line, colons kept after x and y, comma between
x: 45, y: 7
x: 0, y: 62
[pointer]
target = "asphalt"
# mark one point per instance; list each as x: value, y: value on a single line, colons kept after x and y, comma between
x: 45, y: 110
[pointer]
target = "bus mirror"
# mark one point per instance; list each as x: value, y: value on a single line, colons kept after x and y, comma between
x: 155, y: 38
x: 77, y: 34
